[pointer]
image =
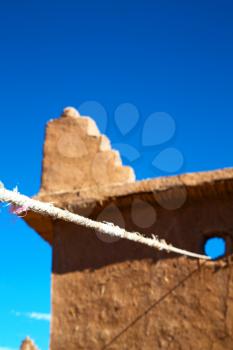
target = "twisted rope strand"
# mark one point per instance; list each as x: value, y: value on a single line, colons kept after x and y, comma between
x: 14, y: 197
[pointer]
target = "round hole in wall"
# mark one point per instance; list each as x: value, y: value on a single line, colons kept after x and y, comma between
x: 215, y: 247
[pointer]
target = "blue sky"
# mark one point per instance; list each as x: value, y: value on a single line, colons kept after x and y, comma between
x: 173, y: 57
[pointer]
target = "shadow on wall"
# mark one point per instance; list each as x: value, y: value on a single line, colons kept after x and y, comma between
x: 77, y: 248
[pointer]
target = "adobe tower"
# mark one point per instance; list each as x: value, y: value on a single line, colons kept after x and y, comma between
x: 116, y: 294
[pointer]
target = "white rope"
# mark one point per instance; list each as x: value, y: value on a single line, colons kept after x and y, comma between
x: 14, y: 197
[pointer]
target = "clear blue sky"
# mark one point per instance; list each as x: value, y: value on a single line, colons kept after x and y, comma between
x: 162, y: 56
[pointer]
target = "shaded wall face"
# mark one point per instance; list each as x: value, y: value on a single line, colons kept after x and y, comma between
x: 102, y: 289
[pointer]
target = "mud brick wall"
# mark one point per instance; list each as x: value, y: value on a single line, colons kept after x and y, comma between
x: 101, y: 288
x: 116, y: 294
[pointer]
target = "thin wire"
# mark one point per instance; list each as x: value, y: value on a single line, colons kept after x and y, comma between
x: 152, y: 306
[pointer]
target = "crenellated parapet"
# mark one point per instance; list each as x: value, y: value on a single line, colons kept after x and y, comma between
x: 78, y: 156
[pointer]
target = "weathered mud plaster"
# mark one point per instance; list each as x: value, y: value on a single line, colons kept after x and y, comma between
x: 99, y: 288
